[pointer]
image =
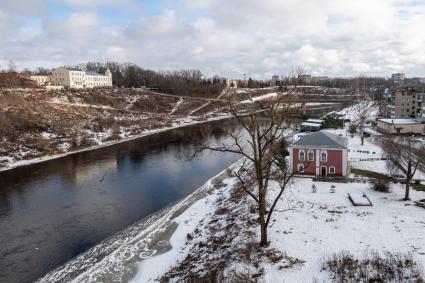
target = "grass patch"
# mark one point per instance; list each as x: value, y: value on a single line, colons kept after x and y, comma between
x: 369, y: 174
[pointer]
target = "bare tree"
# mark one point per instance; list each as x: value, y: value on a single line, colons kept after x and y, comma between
x: 11, y: 66
x: 361, y: 110
x: 403, y: 157
x: 263, y: 149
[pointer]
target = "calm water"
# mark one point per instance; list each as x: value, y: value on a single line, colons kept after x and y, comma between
x: 53, y: 211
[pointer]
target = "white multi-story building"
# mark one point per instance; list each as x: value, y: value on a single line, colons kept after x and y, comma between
x: 398, y: 76
x: 74, y: 77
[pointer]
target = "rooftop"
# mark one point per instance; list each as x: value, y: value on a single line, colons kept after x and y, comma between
x: 91, y: 73
x: 73, y: 68
x: 319, y: 121
x: 322, y: 139
x: 400, y: 121
x: 309, y: 124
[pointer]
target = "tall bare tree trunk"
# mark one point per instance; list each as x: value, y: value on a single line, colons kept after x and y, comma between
x: 406, y: 194
x: 263, y: 225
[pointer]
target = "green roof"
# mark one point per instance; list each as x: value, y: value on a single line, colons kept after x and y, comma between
x: 322, y: 139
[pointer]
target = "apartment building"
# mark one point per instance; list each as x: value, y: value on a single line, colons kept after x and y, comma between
x: 74, y: 77
x: 398, y: 76
x: 406, y: 103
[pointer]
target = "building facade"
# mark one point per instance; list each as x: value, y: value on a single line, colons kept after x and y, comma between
x: 41, y: 80
x: 73, y: 77
x: 304, y: 79
x: 401, y: 126
x: 405, y: 103
x: 398, y: 77
x: 319, y: 154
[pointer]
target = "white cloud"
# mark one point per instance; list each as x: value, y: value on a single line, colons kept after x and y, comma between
x: 231, y: 38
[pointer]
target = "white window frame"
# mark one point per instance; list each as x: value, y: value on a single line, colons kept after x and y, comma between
x: 299, y: 155
x: 300, y: 168
x: 321, y: 156
x: 308, y: 155
x: 333, y: 169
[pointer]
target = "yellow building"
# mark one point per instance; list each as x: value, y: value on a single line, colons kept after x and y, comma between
x: 40, y: 79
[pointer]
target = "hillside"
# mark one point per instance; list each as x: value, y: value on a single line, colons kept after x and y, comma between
x: 35, y: 123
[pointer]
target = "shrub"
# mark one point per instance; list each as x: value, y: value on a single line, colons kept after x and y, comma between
x: 373, y: 267
x: 381, y: 185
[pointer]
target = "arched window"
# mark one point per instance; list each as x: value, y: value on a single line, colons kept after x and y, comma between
x: 323, y: 156
x: 302, y: 155
x: 310, y: 155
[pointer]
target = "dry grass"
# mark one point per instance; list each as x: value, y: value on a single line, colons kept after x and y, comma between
x: 373, y: 267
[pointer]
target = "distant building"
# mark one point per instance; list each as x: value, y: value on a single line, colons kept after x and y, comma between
x: 398, y: 77
x: 41, y: 80
x: 401, y: 126
x: 74, y: 77
x: 304, y: 79
x: 319, y: 154
x: 312, y: 125
x: 231, y: 83
x: 275, y: 80
x: 405, y: 103
x: 14, y: 79
x: 319, y: 79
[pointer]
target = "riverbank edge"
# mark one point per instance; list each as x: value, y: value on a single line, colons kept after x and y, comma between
x: 156, y: 225
x: 22, y: 163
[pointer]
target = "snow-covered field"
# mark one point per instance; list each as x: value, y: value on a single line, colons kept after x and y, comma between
x: 311, y: 226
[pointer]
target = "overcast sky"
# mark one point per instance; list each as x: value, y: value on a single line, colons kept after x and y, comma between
x: 229, y: 38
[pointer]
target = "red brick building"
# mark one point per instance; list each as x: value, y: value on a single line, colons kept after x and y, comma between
x: 319, y: 154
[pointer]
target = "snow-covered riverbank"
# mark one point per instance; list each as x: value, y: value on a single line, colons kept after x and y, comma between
x: 308, y: 227
x: 115, y: 259
x: 10, y: 163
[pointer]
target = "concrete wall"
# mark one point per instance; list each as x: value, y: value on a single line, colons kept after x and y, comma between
x: 414, y: 128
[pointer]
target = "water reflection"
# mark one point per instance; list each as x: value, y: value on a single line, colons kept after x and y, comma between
x: 52, y: 211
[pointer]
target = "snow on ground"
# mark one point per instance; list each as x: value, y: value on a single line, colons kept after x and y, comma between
x: 154, y: 267
x: 177, y: 105
x: 261, y: 97
x: 352, y: 112
x: 311, y: 226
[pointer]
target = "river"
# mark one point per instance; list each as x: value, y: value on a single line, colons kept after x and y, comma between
x: 53, y: 211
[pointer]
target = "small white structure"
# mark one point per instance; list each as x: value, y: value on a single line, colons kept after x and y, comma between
x: 74, y: 77
x: 401, y: 126
x: 40, y: 79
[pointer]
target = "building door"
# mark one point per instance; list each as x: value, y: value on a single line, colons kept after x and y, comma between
x: 323, y: 171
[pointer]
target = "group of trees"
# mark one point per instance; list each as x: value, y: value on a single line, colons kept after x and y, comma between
x: 183, y: 82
